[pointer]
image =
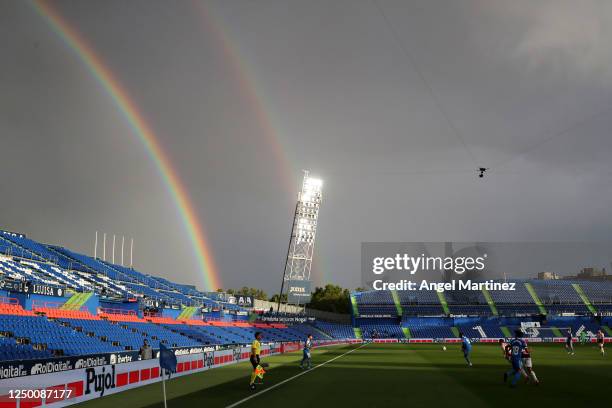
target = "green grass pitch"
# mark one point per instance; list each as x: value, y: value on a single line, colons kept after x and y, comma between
x: 383, y: 375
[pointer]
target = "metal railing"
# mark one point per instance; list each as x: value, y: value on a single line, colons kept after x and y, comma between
x: 9, y: 301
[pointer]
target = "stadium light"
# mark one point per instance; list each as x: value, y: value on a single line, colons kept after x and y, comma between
x: 303, y: 232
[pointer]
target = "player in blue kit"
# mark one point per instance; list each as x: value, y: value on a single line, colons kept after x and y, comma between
x: 517, y: 346
x: 466, y: 347
x: 306, y: 354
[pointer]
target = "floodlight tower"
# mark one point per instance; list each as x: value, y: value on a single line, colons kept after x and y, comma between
x: 303, y: 233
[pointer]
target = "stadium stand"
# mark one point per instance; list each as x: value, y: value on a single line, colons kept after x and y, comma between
x: 598, y: 292
x: 486, y: 314
x: 420, y: 303
x: 381, y: 330
x: 110, y: 308
x: 335, y: 330
x: 377, y: 303
x: 50, y: 335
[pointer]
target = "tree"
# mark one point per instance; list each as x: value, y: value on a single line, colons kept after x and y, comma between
x: 246, y: 291
x: 275, y: 298
x: 331, y: 298
x: 256, y: 293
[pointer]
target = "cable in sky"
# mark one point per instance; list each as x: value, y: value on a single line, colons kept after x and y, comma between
x: 428, y: 86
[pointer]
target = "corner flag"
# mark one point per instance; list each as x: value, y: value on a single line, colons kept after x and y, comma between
x: 167, y: 359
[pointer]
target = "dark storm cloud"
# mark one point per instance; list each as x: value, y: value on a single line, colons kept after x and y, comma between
x: 521, y: 82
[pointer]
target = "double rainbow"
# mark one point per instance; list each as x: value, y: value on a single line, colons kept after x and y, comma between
x: 146, y: 137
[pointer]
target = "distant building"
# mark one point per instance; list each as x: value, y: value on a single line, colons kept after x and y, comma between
x: 548, y: 275
x: 595, y: 274
x: 587, y: 273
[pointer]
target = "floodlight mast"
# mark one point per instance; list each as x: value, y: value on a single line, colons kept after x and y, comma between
x: 298, y: 263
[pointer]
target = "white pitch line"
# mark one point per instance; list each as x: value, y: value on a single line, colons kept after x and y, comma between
x: 235, y: 404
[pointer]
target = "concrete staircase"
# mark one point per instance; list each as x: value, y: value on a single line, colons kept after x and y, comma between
x: 77, y: 301
x: 535, y: 298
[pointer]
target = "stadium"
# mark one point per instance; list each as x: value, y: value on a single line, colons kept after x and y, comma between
x: 162, y: 245
x: 65, y: 312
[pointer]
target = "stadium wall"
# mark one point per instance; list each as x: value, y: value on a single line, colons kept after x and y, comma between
x: 291, y: 309
x: 329, y: 316
x: 483, y: 340
x: 89, y: 381
x: 126, y: 307
x: 27, y: 300
x: 171, y: 313
x: 284, y: 308
x: 92, y: 304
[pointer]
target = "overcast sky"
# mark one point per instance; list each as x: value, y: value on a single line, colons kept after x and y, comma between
x: 393, y: 103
